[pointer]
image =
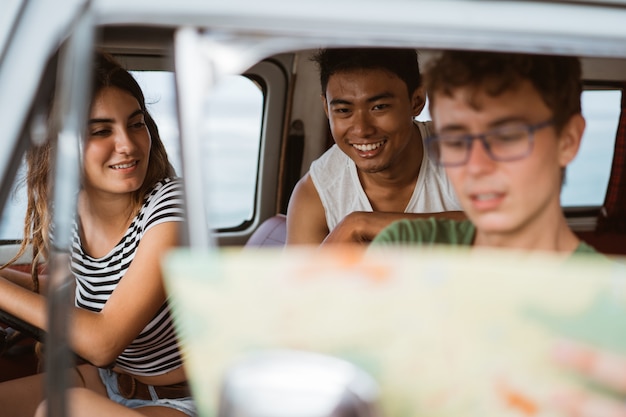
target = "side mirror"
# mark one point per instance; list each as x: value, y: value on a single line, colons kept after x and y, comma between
x: 297, y: 384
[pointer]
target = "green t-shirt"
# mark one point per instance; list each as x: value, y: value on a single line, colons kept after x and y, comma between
x: 433, y: 231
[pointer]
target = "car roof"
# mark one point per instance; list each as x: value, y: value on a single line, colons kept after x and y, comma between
x: 258, y: 29
x: 560, y: 27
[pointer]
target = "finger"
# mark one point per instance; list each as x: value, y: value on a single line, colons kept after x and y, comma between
x: 573, y: 355
x: 577, y: 404
x: 604, y: 367
x: 609, y: 369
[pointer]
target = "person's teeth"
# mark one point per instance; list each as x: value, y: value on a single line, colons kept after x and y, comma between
x: 368, y: 147
x: 487, y: 196
x: 122, y: 166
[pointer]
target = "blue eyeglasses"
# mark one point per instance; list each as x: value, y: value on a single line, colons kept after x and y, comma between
x: 507, y: 143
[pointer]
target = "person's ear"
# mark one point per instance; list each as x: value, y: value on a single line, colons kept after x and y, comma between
x: 418, y: 100
x: 570, y: 138
x: 325, y: 103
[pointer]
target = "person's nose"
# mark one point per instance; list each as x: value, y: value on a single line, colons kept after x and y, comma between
x: 362, y: 124
x: 479, y: 160
x: 124, y: 142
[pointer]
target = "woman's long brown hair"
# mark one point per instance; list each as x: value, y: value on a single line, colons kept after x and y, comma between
x: 37, y: 223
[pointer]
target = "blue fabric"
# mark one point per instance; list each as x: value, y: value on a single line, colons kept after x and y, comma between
x: 109, y: 379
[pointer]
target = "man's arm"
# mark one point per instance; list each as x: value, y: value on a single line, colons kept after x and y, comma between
x: 362, y: 227
x: 306, y: 220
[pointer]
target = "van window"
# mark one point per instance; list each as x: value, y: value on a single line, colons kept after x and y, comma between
x: 12, y: 224
x: 588, y: 175
x: 160, y: 94
x: 232, y: 126
x: 233, y: 129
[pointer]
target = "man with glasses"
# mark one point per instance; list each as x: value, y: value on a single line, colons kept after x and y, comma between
x: 507, y: 127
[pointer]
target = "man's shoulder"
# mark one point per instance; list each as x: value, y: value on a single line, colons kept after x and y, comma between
x: 331, y: 158
x: 333, y: 165
x: 584, y: 247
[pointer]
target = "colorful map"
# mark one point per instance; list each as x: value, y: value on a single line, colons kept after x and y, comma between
x: 443, y: 332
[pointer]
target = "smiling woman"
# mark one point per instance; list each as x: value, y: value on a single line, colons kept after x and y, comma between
x: 234, y: 122
x: 128, y: 212
x: 117, y: 148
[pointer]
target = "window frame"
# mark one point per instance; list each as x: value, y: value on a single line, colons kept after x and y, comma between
x: 583, y: 218
x: 273, y: 77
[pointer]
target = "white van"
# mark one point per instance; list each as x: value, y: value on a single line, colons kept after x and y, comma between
x: 236, y: 96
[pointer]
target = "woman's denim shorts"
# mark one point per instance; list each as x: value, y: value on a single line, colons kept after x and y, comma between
x: 109, y: 378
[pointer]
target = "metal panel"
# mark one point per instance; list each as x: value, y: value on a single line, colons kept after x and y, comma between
x: 589, y: 28
x: 201, y: 60
x: 22, y: 67
x: 73, y: 104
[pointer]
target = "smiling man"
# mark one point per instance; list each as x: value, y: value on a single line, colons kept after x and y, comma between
x: 377, y: 171
x: 507, y: 127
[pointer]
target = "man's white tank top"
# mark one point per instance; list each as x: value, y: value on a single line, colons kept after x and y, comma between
x: 335, y: 177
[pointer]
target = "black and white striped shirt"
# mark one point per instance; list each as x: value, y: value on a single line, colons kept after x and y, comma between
x: 155, y: 351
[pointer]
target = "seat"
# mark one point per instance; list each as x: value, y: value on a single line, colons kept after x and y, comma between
x: 272, y: 232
